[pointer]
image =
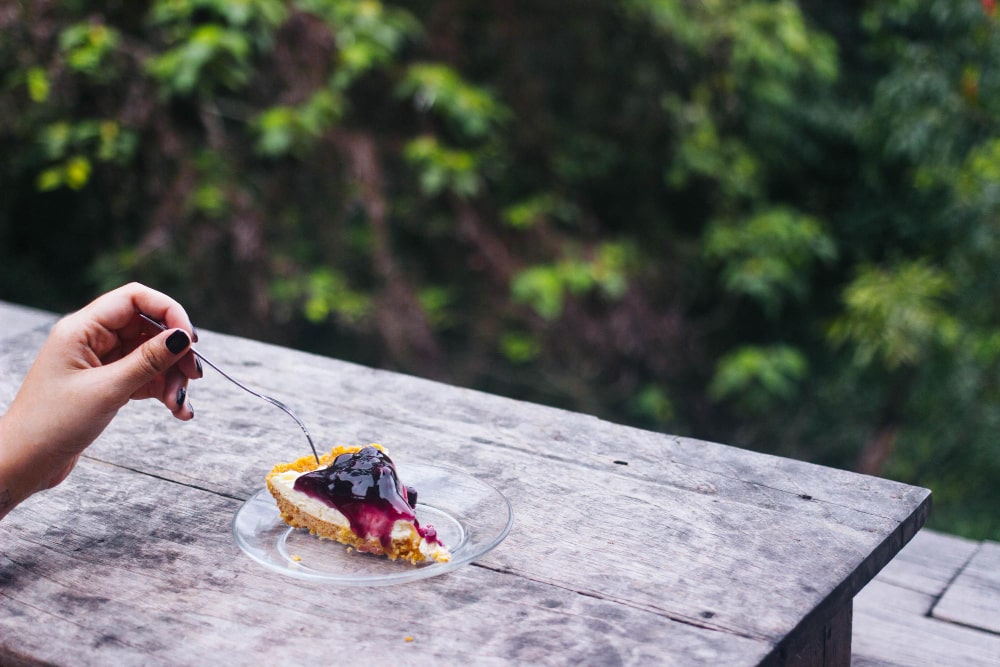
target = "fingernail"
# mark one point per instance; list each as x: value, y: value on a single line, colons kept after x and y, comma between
x: 181, y: 395
x: 199, y: 367
x: 194, y: 334
x: 177, y: 341
x: 191, y: 409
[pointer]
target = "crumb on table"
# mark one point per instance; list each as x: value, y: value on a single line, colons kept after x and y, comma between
x: 296, y: 557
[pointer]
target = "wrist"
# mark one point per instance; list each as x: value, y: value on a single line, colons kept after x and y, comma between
x: 14, y: 483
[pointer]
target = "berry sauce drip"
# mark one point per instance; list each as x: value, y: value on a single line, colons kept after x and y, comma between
x: 364, y: 487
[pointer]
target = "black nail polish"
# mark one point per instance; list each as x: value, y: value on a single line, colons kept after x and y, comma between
x: 181, y: 395
x: 177, y: 341
x: 199, y: 367
x: 194, y: 334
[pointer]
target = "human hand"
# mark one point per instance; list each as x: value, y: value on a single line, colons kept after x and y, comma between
x: 94, y: 361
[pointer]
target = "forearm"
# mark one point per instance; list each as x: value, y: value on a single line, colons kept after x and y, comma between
x: 28, y: 461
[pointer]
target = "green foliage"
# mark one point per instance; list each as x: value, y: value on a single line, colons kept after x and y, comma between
x: 74, y: 173
x: 537, y: 209
x: 770, y: 254
x: 252, y: 15
x: 977, y: 182
x: 106, y: 140
x: 545, y: 287
x: 893, y: 316
x: 211, y: 43
x: 685, y: 215
x: 704, y: 154
x: 758, y: 378
x: 210, y: 57
x: 38, y: 83
x: 369, y: 34
x: 87, y: 48
x: 296, y: 129
x: 322, y: 293
x: 653, y: 403
x: 443, y: 169
x: 773, y: 49
x: 71, y: 149
x: 519, y: 348
x: 470, y: 110
x: 437, y: 302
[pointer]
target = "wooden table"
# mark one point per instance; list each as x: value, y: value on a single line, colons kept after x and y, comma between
x: 628, y: 547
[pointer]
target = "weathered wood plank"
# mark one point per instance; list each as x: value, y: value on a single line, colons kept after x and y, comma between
x: 973, y: 598
x: 121, y: 568
x: 730, y: 543
x: 701, y: 565
x: 929, y: 563
x: 866, y: 661
x: 16, y: 320
x: 892, y: 629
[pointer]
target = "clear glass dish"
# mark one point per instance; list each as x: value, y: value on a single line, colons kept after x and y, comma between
x: 470, y: 516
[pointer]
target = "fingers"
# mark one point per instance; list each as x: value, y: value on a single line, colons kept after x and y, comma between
x: 145, y: 362
x: 117, y: 309
x: 175, y: 387
x: 152, y: 359
x: 175, y: 396
x: 190, y: 366
x: 171, y: 386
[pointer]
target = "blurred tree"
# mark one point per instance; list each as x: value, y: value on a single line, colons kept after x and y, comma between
x: 772, y: 223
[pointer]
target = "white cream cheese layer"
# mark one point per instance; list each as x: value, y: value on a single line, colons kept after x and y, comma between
x: 285, y: 483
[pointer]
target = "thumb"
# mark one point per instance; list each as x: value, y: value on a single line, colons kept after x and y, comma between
x: 150, y: 359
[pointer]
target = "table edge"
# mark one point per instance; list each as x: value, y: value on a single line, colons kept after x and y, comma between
x: 844, y: 593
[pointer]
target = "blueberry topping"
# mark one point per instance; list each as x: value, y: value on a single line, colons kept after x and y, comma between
x: 364, y: 487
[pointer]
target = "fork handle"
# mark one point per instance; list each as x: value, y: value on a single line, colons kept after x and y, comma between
x: 273, y: 401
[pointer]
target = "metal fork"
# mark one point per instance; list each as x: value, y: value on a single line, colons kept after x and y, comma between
x: 273, y: 401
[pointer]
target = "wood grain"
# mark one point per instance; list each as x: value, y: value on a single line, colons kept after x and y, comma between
x: 929, y: 563
x: 894, y: 625
x: 117, y: 567
x: 973, y: 598
x: 692, y: 553
x: 899, y: 633
x: 16, y: 320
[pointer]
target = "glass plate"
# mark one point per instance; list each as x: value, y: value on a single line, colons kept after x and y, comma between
x: 470, y: 516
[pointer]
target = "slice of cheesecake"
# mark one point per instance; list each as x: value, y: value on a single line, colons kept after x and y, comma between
x: 354, y: 496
